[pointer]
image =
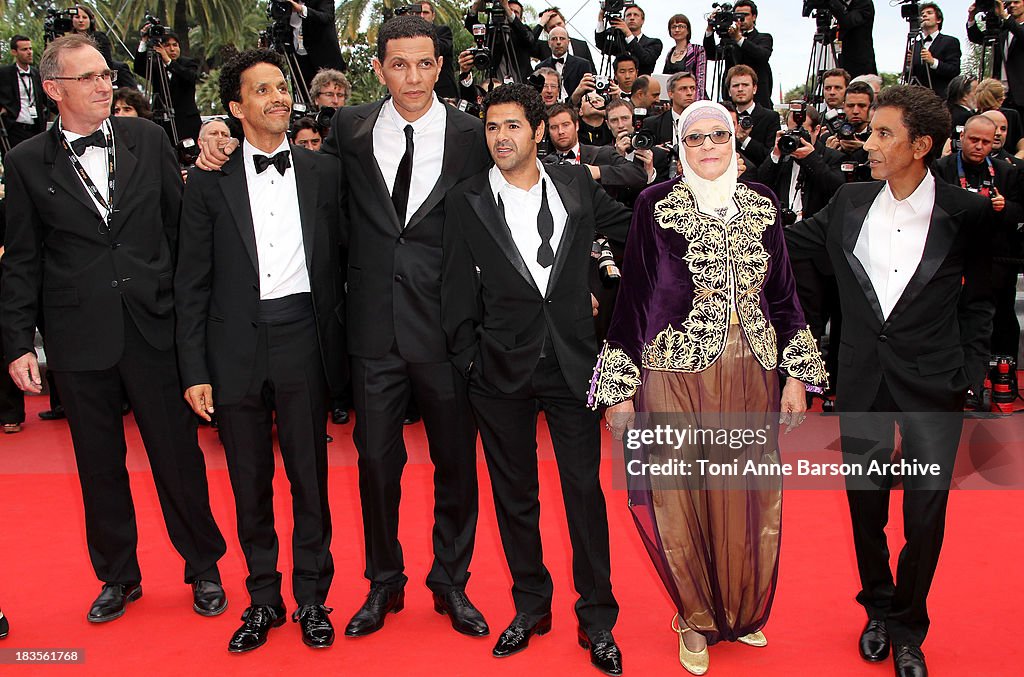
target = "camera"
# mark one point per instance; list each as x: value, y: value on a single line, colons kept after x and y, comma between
x: 811, y: 6
x: 985, y: 5
x: 324, y: 116
x: 481, y: 55
x: 746, y: 121
x: 408, y: 9
x: 615, y: 9
x: 788, y: 216
x: 471, y: 108
x: 157, y: 31
x: 188, y: 152
x: 606, y: 266
x: 722, y: 18
x: 495, y: 12
x: 791, y: 141
x: 955, y: 139
x: 641, y: 139
x: 58, y: 22
x: 279, y: 10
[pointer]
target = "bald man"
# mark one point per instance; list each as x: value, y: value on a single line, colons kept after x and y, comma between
x: 571, y: 68
x: 999, y: 152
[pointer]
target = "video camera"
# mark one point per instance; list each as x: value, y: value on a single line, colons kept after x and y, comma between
x: 615, y: 9
x: 495, y: 11
x: 812, y: 6
x: 279, y: 10
x: 792, y: 140
x: 157, y: 31
x: 641, y: 139
x: 722, y: 18
x: 58, y: 22
x: 408, y: 9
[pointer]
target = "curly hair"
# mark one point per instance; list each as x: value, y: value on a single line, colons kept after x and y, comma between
x: 231, y: 73
x: 133, y: 98
x: 524, y: 96
x: 923, y: 113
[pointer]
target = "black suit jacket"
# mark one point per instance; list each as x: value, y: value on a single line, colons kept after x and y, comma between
x: 578, y: 48
x: 1007, y: 181
x: 762, y: 136
x: 935, y: 342
x: 495, y: 316
x: 1006, y: 63
x: 946, y: 50
x: 572, y: 72
x: 447, y: 87
x: 617, y: 173
x: 756, y: 51
x: 647, y: 50
x: 216, y: 284
x: 856, y: 22
x: 184, y: 74
x: 60, y: 255
x: 394, y: 286
x: 10, y: 95
x: 320, y: 35
x: 660, y: 126
x: 520, y: 39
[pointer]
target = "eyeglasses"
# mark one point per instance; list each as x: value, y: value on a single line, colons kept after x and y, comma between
x: 719, y: 136
x: 91, y: 78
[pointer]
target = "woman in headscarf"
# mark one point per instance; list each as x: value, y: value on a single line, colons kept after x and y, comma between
x: 706, y: 301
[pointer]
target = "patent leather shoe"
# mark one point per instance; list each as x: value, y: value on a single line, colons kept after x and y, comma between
x: 909, y: 661
x: 465, y: 617
x: 340, y: 416
x: 112, y: 602
x: 54, y: 414
x: 317, y: 631
x: 208, y: 598
x: 874, y: 642
x: 604, y: 652
x: 5, y: 626
x: 370, y: 617
x: 258, y: 620
x: 516, y: 636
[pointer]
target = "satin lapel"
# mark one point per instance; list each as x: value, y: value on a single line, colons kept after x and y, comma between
x: 852, y: 225
x: 236, y: 192
x: 490, y: 216
x: 362, y: 143
x: 63, y: 173
x: 125, y: 163
x: 942, y: 231
x: 308, y: 182
x: 451, y: 167
x: 567, y: 193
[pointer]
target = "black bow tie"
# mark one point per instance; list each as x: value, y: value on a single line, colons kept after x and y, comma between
x: 95, y: 139
x: 559, y: 59
x: 281, y: 161
x: 570, y: 155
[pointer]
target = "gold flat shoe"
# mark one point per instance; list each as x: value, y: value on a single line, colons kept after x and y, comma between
x: 754, y: 639
x: 695, y: 662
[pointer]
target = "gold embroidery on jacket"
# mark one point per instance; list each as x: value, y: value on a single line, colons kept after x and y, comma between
x: 618, y: 379
x: 802, y: 361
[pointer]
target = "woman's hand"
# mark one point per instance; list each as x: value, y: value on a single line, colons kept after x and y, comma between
x: 619, y: 417
x: 794, y: 404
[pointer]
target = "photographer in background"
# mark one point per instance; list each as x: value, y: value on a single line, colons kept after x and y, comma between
x: 834, y: 84
x: 755, y: 134
x: 446, y: 86
x: 682, y: 91
x: 570, y: 68
x: 515, y: 65
x: 329, y: 89
x: 307, y: 133
x: 849, y: 133
x: 23, y: 104
x: 548, y: 20
x: 743, y: 45
x: 1007, y: 59
x: 856, y: 19
x: 626, y: 70
x: 551, y: 90
x: 182, y: 75
x: 646, y: 92
x: 314, y: 36
x: 626, y: 36
x: 594, y: 130
x: 935, y: 58
x: 601, y: 86
x: 999, y: 141
x: 654, y: 161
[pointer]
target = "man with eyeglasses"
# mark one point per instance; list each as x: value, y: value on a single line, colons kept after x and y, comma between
x: 745, y: 46
x: 92, y: 225
x: 22, y: 102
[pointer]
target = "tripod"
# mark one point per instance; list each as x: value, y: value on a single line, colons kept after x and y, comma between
x: 278, y: 37
x: 913, y: 50
x: 161, y: 86
x: 823, y: 58
x: 5, y: 142
x: 726, y: 50
x: 993, y: 26
x: 499, y: 33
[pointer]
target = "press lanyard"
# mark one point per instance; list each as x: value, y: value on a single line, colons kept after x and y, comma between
x: 985, y: 189
x: 107, y: 204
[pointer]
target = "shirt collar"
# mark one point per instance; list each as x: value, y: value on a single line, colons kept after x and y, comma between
x: 27, y: 69
x: 921, y: 200
x: 501, y: 186
x: 249, y: 150
x: 71, y: 136
x: 748, y: 109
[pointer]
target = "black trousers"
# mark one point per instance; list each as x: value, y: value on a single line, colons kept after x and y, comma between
x: 18, y: 132
x: 93, y: 400
x: 381, y: 389
x: 288, y: 383
x: 508, y: 428
x: 927, y: 437
x: 12, y: 399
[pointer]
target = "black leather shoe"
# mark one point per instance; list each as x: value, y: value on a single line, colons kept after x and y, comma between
x: 54, y: 414
x: 465, y: 617
x: 874, y: 642
x: 258, y: 621
x: 112, y: 602
x: 5, y: 627
x: 208, y: 598
x: 370, y: 617
x: 339, y: 416
x: 411, y: 419
x: 516, y: 636
x: 317, y: 631
x: 604, y: 652
x: 909, y: 661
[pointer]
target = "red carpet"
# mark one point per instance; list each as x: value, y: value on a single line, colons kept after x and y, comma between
x: 46, y: 583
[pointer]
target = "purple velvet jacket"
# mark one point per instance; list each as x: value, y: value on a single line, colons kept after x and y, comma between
x: 683, y: 276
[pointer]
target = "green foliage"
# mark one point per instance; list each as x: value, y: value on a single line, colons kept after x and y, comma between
x: 208, y: 93
x: 365, y: 85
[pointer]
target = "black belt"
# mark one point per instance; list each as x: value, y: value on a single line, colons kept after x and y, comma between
x: 285, y: 309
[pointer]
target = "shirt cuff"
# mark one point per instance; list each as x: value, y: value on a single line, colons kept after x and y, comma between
x: 305, y: 12
x: 739, y: 43
x: 743, y: 146
x: 935, y: 64
x: 774, y: 158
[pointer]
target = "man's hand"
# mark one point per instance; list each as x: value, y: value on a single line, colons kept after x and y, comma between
x: 741, y: 165
x: 614, y: 91
x: 619, y: 418
x: 212, y: 156
x: 623, y: 145
x: 587, y: 84
x: 545, y: 18
x: 794, y: 404
x: 595, y: 171
x: 621, y: 25
x: 734, y: 32
x: 851, y: 145
x: 646, y: 155
x: 927, y: 57
x: 24, y: 372
x: 200, y: 398
x: 465, y: 63
x: 594, y: 305
x: 162, y: 51
x: 832, y: 142
x: 775, y: 149
x: 297, y: 6
x: 803, y: 151
x: 1000, y: 10
x: 998, y: 201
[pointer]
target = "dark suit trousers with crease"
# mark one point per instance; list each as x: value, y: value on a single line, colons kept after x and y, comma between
x: 381, y: 388
x: 288, y: 384
x: 508, y: 428
x: 93, y: 400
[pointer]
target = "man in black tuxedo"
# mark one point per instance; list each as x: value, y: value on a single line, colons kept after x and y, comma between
x: 912, y: 263
x: 856, y: 19
x: 514, y: 63
x: 517, y: 312
x: 257, y: 294
x: 755, y: 135
x: 745, y: 46
x: 1008, y: 55
x: 315, y: 37
x: 92, y: 227
x: 570, y: 68
x: 999, y: 151
x: 682, y: 90
x: 182, y: 76
x: 626, y: 36
x: 446, y: 87
x: 935, y: 59
x: 620, y: 120
x: 22, y: 100
x: 548, y: 20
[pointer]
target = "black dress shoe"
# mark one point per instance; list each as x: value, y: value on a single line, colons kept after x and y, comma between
x: 370, y: 617
x: 909, y: 661
x: 112, y: 602
x: 516, y: 636
x: 411, y: 419
x: 339, y: 416
x: 465, y: 617
x: 54, y: 414
x: 258, y: 621
x: 5, y: 627
x: 208, y: 598
x: 317, y: 630
x: 874, y: 642
x: 604, y: 652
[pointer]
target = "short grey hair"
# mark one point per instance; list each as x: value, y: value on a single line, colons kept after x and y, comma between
x: 676, y: 77
x: 328, y: 76
x: 49, y: 65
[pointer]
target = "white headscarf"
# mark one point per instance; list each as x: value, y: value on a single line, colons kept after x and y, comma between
x: 716, y: 194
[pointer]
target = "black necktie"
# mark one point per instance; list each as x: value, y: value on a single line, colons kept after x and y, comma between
x: 281, y: 161
x: 546, y: 228
x: 95, y: 139
x: 403, y: 179
x: 26, y: 82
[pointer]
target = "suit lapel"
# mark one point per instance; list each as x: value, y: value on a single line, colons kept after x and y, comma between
x: 125, y: 164
x: 451, y: 166
x: 567, y: 192
x: 308, y: 184
x: 236, y: 192
x: 482, y: 202
x: 853, y: 223
x: 63, y: 173
x: 362, y: 142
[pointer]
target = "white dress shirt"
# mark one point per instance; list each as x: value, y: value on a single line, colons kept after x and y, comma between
x: 428, y: 150
x: 521, y: 210
x: 28, y: 113
x: 295, y: 21
x: 94, y: 162
x: 891, y: 241
x: 563, y: 95
x: 274, y: 201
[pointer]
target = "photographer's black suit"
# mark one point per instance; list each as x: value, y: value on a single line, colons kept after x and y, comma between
x: 320, y: 38
x: 1007, y: 62
x: 912, y: 368
x: 183, y: 74
x: 756, y: 51
x: 578, y: 48
x: 661, y: 126
x: 520, y: 39
x: 617, y: 173
x: 398, y: 348
x: 10, y: 101
x: 447, y: 86
x: 856, y: 22
x: 573, y: 71
x: 107, y: 301
x: 646, y: 50
x: 946, y: 50
x: 521, y: 347
x: 762, y: 135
